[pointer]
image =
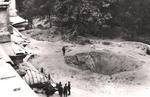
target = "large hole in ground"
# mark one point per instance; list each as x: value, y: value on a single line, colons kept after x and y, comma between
x: 107, y: 63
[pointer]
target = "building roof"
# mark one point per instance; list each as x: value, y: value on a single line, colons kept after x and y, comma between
x: 3, y: 4
x: 4, y: 56
x: 12, y: 49
x: 12, y: 85
x: 16, y: 20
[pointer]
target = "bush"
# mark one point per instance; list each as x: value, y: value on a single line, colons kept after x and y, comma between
x: 106, y: 43
x: 84, y: 42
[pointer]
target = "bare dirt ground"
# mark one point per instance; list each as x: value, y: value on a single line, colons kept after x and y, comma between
x: 88, y: 84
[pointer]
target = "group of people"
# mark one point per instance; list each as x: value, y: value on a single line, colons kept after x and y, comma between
x: 66, y: 90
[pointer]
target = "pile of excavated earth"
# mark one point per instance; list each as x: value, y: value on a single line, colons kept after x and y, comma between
x: 105, y: 68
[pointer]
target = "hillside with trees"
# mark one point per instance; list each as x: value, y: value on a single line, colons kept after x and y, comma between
x: 128, y: 19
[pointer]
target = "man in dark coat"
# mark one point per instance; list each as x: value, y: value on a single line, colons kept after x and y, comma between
x: 65, y: 90
x: 64, y: 50
x: 42, y: 70
x: 60, y: 90
x: 69, y: 88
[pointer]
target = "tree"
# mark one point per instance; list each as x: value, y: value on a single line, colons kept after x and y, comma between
x: 132, y: 15
x: 83, y: 16
x: 36, y: 8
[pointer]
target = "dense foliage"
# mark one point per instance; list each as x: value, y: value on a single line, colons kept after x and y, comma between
x: 133, y: 17
x: 83, y: 16
x: 127, y: 18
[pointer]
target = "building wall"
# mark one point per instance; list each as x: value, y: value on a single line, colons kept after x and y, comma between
x: 3, y: 20
x: 12, y: 8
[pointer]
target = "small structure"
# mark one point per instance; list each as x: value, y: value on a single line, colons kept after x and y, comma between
x: 11, y: 83
x: 16, y: 20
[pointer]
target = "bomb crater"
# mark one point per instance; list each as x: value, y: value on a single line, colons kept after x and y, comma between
x: 102, y: 62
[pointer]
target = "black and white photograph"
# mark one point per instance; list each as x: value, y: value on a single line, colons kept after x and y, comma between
x: 74, y: 48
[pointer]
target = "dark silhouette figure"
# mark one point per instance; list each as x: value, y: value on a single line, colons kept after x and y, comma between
x: 49, y: 77
x: 65, y: 90
x: 58, y: 85
x: 69, y: 88
x: 60, y: 90
x: 64, y: 50
x: 42, y: 70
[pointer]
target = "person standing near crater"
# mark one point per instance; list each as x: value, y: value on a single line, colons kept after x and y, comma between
x: 69, y: 88
x: 60, y: 90
x: 64, y: 50
x: 65, y: 90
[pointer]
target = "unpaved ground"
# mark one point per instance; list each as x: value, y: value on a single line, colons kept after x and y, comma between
x: 88, y: 84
